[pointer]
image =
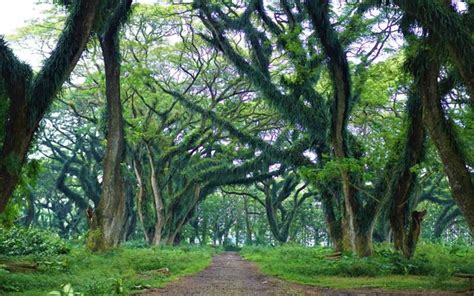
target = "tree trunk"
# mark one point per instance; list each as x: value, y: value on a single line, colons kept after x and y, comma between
x: 140, y: 194
x: 31, y: 213
x: 363, y: 240
x: 24, y: 113
x: 158, y: 202
x: 441, y: 132
x: 176, y: 228
x: 403, y: 178
x: 334, y: 224
x: 413, y: 233
x: 355, y: 226
x: 248, y: 227
x: 15, y: 145
x: 110, y: 216
x: 204, y: 236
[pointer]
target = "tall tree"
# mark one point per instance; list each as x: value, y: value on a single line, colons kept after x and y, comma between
x: 108, y: 220
x: 29, y: 96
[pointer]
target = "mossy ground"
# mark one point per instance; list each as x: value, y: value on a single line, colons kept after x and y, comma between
x: 126, y: 269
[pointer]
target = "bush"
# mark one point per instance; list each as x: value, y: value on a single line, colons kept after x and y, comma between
x: 20, y: 241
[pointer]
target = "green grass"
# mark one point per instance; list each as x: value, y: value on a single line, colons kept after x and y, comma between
x: 104, y: 274
x: 432, y: 267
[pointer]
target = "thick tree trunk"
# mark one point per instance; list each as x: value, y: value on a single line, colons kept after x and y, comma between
x: 175, y: 227
x: 403, y: 178
x: 441, y: 132
x: 334, y: 224
x: 15, y: 146
x: 25, y: 113
x: 110, y: 216
x: 355, y: 227
x: 413, y: 233
x: 275, y: 228
x: 363, y: 240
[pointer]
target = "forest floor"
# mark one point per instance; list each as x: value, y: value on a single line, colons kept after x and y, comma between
x: 230, y: 274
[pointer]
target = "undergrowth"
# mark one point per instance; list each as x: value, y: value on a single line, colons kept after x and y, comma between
x: 432, y: 266
x: 20, y: 241
x: 119, y: 271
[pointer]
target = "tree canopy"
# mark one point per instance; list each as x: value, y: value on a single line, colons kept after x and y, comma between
x: 243, y: 122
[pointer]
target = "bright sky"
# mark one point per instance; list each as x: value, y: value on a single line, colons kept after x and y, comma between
x: 16, y: 14
x: 13, y: 14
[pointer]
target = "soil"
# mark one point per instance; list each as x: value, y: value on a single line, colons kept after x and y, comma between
x: 231, y: 275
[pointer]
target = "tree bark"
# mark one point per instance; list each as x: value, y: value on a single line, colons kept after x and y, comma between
x: 403, y: 178
x: 248, y: 227
x: 140, y: 194
x: 441, y: 132
x: 110, y: 216
x: 359, y: 222
x: 158, y: 201
x: 334, y: 224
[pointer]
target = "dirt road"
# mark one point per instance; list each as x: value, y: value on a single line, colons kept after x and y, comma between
x: 228, y: 274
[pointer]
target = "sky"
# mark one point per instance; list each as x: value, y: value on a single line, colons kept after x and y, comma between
x: 13, y: 14
x: 17, y: 13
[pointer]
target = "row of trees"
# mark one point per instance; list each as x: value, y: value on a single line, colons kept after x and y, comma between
x: 288, y: 114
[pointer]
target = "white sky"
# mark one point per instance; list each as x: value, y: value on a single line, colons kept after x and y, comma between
x: 17, y: 13
x: 13, y: 14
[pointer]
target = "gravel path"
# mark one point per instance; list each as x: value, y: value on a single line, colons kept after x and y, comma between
x: 230, y: 275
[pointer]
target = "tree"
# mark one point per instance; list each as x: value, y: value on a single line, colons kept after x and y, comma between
x: 107, y: 223
x: 29, y: 96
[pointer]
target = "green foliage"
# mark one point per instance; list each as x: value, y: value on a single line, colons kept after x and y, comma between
x: 18, y: 241
x: 67, y: 290
x: 115, y: 272
x: 332, y: 169
x: 432, y: 265
x: 9, y: 215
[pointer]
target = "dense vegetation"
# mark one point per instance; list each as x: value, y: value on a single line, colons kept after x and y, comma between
x: 431, y: 268
x: 347, y: 127
x: 121, y: 271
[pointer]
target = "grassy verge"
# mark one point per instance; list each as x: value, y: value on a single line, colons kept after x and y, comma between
x: 431, y: 269
x: 119, y: 271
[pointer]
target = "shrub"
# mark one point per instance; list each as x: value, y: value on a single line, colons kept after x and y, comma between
x: 20, y: 241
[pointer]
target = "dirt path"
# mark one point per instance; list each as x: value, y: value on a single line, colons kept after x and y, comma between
x: 230, y: 275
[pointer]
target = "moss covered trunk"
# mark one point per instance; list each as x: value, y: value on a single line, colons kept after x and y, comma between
x: 441, y: 132
x: 403, y: 179
x: 110, y: 216
x: 30, y: 97
x: 15, y: 145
